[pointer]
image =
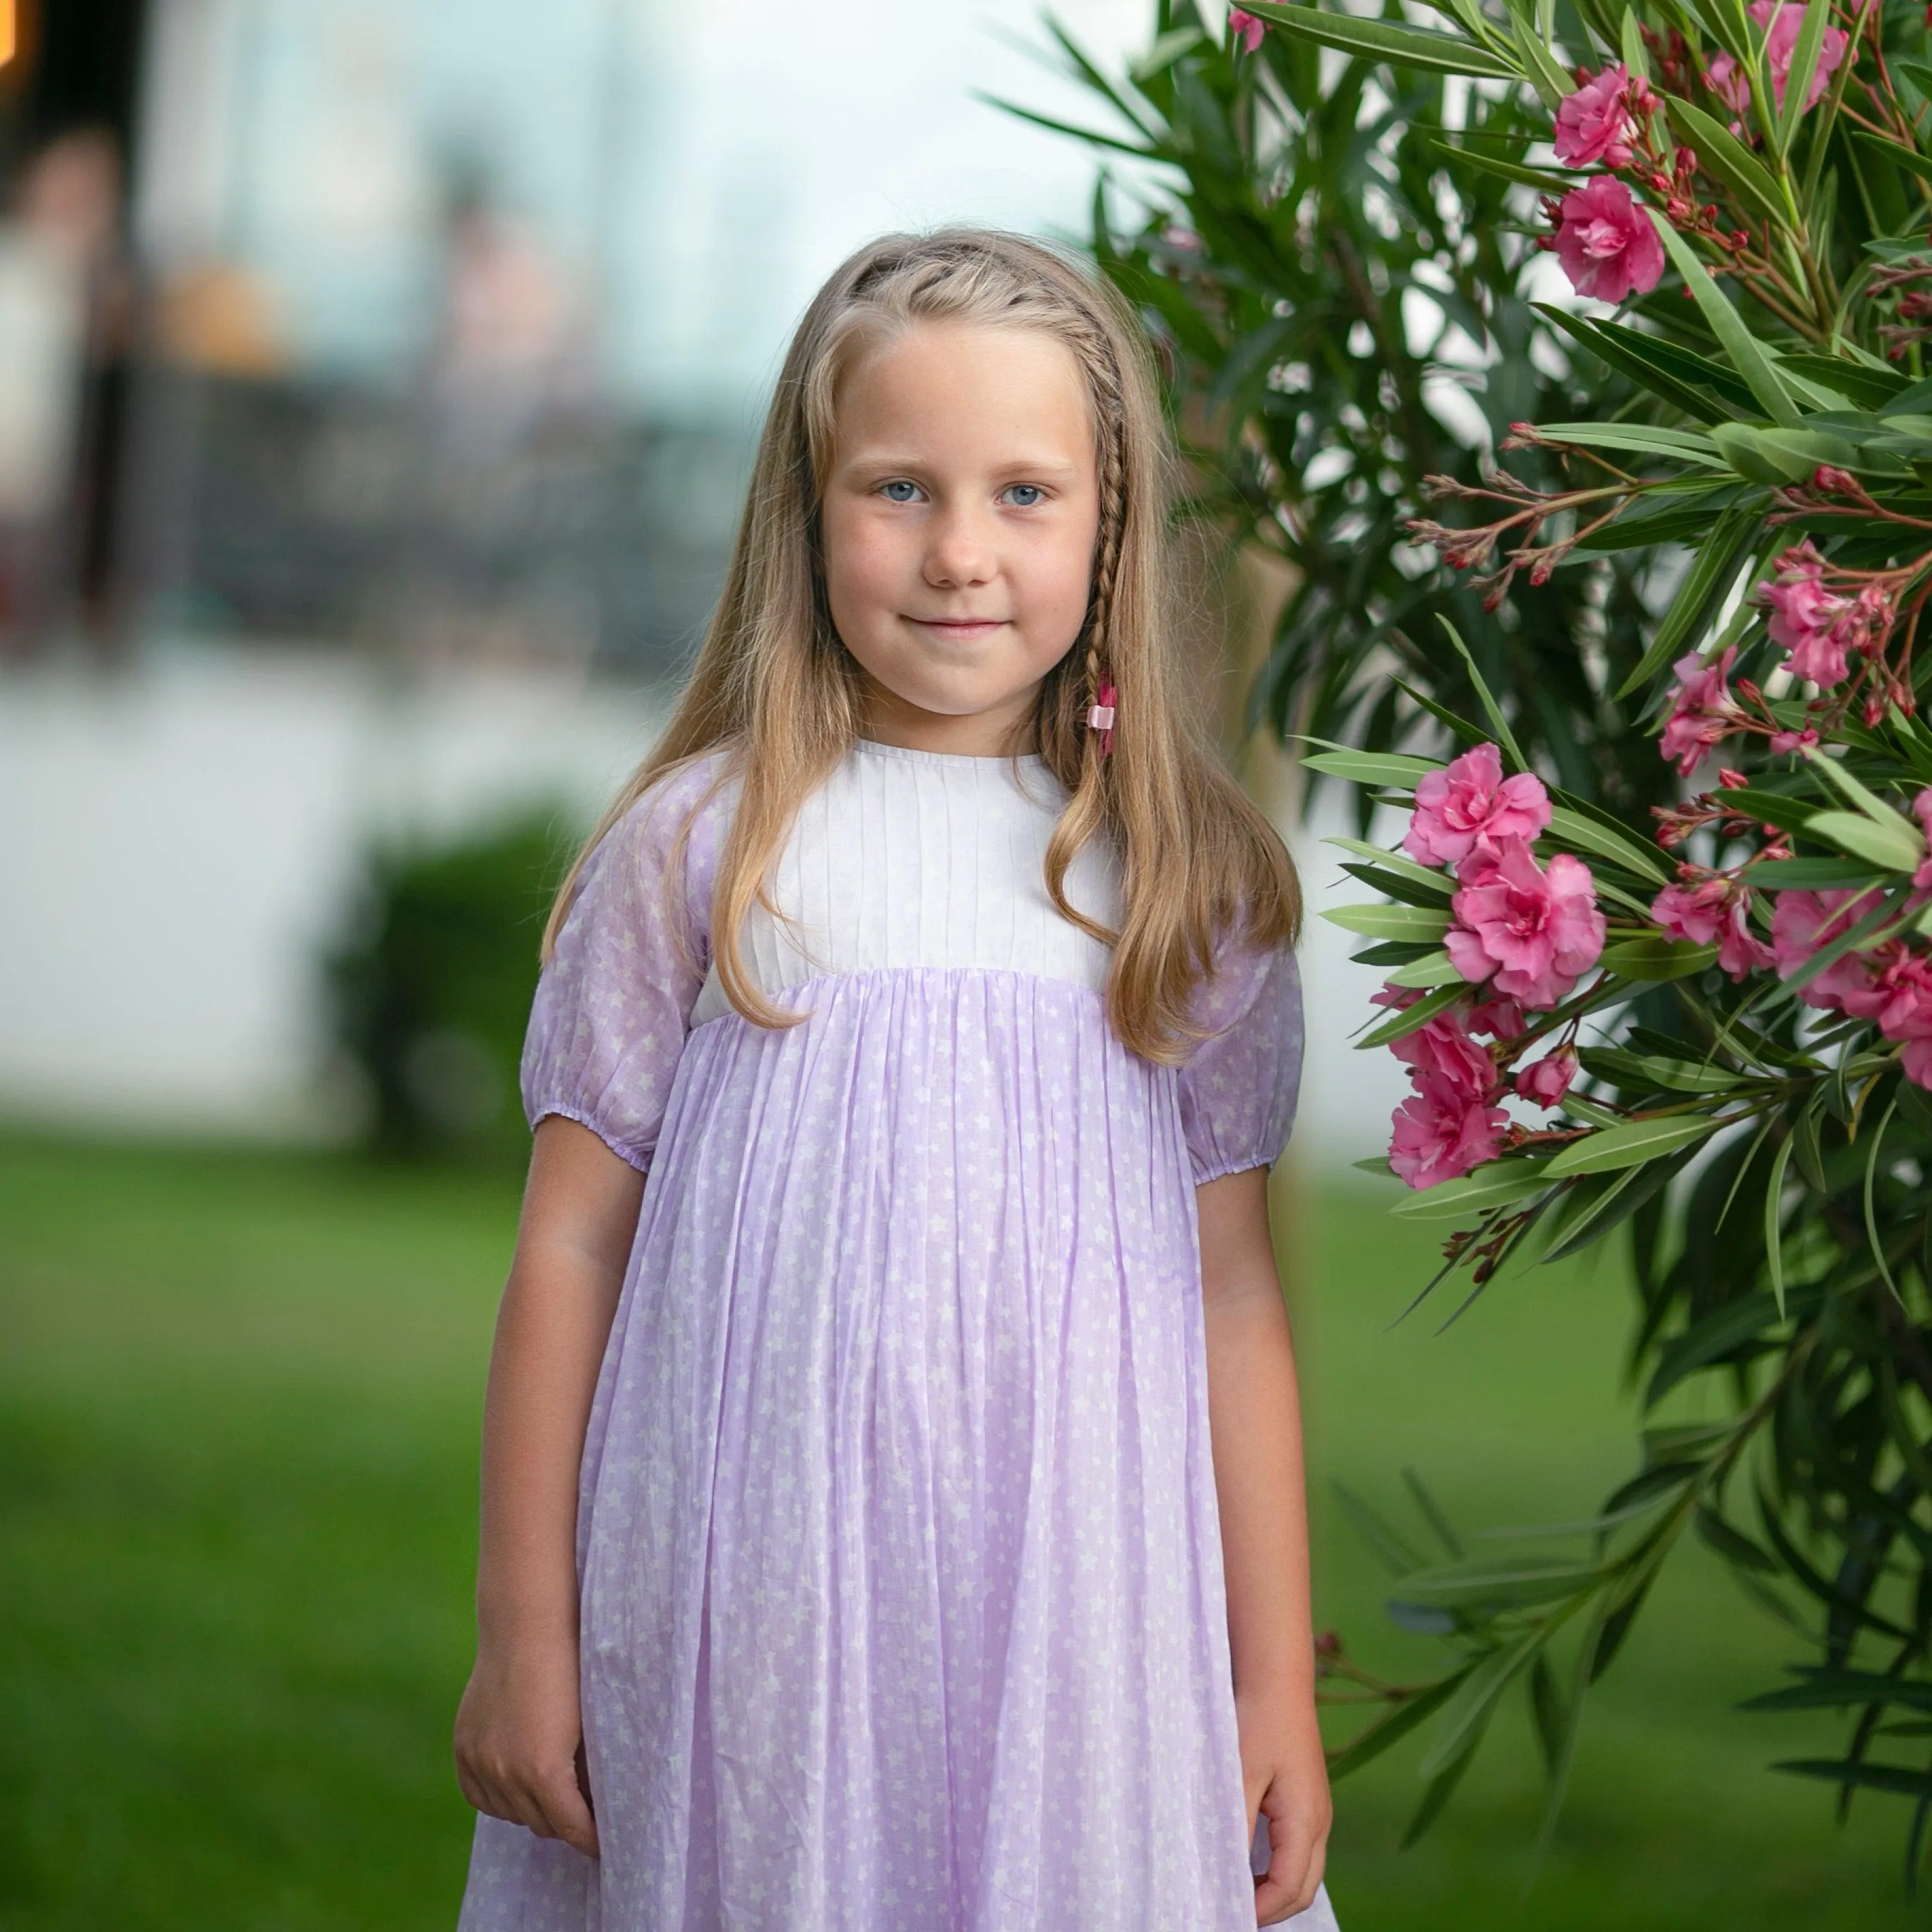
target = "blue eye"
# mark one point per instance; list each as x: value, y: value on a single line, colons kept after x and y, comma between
x: 899, y: 491
x: 1023, y: 495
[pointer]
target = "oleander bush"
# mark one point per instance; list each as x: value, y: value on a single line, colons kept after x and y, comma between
x: 1574, y: 356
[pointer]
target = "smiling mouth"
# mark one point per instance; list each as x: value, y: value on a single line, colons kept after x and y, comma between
x: 958, y: 627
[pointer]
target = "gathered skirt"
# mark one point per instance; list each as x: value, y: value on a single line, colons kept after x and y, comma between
x: 901, y: 1594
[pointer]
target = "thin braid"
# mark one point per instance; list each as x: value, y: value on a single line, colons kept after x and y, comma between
x: 1113, y: 517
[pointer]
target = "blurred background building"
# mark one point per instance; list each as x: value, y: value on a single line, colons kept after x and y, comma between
x: 377, y: 383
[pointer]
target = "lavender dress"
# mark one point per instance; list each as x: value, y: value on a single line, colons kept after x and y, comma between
x: 902, y: 1601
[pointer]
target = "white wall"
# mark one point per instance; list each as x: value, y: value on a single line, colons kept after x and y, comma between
x: 177, y: 844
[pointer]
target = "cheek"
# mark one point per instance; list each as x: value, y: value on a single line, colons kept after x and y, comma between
x: 1057, y: 581
x: 863, y: 567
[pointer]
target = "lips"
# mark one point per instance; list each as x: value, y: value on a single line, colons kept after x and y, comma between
x: 959, y: 627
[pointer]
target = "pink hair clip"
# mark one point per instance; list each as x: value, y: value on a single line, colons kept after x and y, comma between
x: 1100, y: 718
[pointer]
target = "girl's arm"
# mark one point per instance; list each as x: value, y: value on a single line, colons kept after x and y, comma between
x: 519, y: 1731
x: 1254, y: 1419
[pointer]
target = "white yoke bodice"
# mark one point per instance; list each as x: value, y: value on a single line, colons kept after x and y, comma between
x: 925, y: 859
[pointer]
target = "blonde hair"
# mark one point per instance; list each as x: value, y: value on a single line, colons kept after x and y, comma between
x: 774, y: 685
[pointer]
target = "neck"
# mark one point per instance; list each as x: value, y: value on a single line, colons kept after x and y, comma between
x: 1002, y: 732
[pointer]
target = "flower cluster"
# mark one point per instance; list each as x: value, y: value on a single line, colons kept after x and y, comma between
x: 1713, y: 908
x: 1817, y: 626
x: 1604, y: 240
x: 1783, y: 22
x: 1524, y: 933
x: 1889, y: 983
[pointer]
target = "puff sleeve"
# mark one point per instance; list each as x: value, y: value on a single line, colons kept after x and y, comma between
x: 1238, y: 1092
x: 614, y: 1004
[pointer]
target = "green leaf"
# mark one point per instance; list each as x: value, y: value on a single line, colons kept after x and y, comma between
x: 1391, y: 770
x: 1442, y: 1788
x: 1871, y: 388
x: 1390, y: 922
x: 1657, y: 959
x: 1774, y: 1220
x: 1517, y: 1582
x: 1894, y: 156
x: 1573, y: 828
x: 1896, y: 847
x: 1418, y: 47
x: 1370, y: 1743
x: 1492, y: 710
x: 1758, y: 457
x: 1827, y: 1689
x: 1656, y: 1070
x: 1499, y: 1184
x: 1431, y: 877
x: 1466, y: 156
x: 1898, y: 1779
x: 1432, y: 969
x: 1774, y: 808
x: 1165, y: 51
x: 1411, y: 1017
x: 1810, y: 1155
x: 1630, y: 1146
x: 1681, y: 446
x: 1640, y: 367
x: 1710, y: 575
x: 1869, y: 803
x: 1540, y: 65
x: 1812, y: 875
x: 1726, y: 160
x: 1798, y: 78
x: 1744, y: 348
x: 1871, y: 1220
x: 1470, y: 1710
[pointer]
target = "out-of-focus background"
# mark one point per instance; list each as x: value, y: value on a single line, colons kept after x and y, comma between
x: 377, y: 380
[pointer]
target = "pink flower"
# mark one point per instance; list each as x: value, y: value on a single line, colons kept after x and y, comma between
x: 1470, y: 803
x: 1701, y: 713
x: 1607, y: 247
x: 1805, y: 740
x: 1906, y: 986
x: 1596, y: 122
x: 1547, y: 1080
x: 1804, y: 923
x: 1921, y: 806
x: 1784, y: 23
x: 1442, y: 1131
x: 1248, y: 31
x: 1501, y: 1018
x: 1807, y: 621
x: 1535, y: 932
x: 1726, y: 80
x: 1715, y: 909
x: 1441, y: 1048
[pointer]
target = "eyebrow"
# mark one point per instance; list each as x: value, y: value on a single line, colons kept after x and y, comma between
x: 885, y: 458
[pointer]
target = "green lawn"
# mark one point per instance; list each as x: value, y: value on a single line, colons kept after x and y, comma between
x: 238, y: 1410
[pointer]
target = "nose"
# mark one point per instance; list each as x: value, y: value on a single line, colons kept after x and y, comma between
x: 957, y: 551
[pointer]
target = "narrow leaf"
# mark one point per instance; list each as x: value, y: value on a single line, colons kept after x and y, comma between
x: 1419, y: 47
x: 1491, y: 709
x: 1630, y: 1146
x: 1495, y: 1185
x: 1774, y: 1220
x: 1729, y: 328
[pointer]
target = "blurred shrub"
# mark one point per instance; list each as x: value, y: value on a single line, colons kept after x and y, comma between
x: 430, y: 991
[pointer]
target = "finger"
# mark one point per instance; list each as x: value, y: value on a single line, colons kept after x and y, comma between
x: 1295, y: 1847
x: 565, y: 1813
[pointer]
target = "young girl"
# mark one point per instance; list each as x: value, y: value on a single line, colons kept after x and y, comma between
x: 892, y: 1511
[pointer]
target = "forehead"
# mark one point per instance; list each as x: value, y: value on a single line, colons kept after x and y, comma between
x: 969, y: 385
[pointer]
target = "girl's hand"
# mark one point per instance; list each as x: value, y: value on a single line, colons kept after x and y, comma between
x: 1287, y: 1780
x: 520, y: 1742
